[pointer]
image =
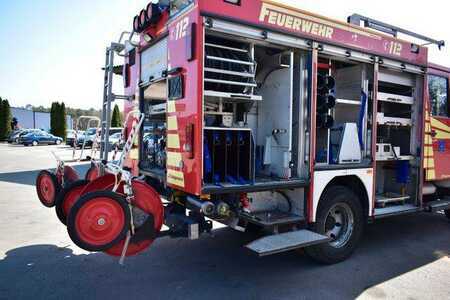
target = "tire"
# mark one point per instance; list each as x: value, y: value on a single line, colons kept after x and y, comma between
x: 85, y: 216
x: 34, y: 143
x: 47, y: 188
x: 337, y: 202
x: 68, y: 193
x: 447, y: 213
x: 58, y: 142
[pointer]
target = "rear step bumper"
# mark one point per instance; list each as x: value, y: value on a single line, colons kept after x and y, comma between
x: 283, y: 242
x: 438, y: 205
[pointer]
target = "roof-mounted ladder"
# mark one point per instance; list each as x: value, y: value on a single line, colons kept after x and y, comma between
x: 356, y: 19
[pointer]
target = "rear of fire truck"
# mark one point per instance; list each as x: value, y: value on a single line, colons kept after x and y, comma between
x: 225, y: 132
x: 260, y: 117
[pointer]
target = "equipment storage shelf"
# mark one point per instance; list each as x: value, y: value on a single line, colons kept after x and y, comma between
x: 392, y: 121
x: 393, y: 113
x: 395, y: 98
x: 389, y: 159
x: 383, y: 199
x: 214, y: 95
x: 228, y: 156
x: 230, y: 69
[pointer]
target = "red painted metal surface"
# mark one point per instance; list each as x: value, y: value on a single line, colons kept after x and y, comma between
x: 46, y: 188
x: 93, y: 173
x: 70, y: 174
x: 304, y: 24
x: 188, y: 110
x: 70, y: 198
x: 100, y: 221
x: 439, y: 159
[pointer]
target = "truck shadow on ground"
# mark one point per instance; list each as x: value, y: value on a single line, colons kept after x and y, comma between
x: 29, y: 177
x: 220, y: 268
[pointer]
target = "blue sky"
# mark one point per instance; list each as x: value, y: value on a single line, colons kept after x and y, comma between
x: 53, y: 50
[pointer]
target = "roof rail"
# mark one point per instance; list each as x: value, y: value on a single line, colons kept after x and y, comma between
x: 356, y: 19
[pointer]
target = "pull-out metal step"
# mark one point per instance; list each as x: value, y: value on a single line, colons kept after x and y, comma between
x: 395, y: 210
x: 283, y: 242
x: 438, y: 205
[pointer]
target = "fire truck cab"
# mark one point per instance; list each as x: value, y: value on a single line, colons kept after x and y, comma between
x: 265, y: 117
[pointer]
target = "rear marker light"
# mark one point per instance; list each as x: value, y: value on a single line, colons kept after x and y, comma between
x: 143, y: 18
x: 136, y: 25
x: 189, y: 146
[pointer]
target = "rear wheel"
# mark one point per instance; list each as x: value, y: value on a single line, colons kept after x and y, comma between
x: 34, y: 143
x: 447, y: 213
x: 58, y: 142
x: 67, y: 198
x: 99, y: 220
x: 340, y: 216
x: 47, y: 188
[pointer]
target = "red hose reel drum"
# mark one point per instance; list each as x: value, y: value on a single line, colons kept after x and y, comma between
x: 148, y: 201
x: 49, y: 184
x: 147, y: 211
x: 47, y: 187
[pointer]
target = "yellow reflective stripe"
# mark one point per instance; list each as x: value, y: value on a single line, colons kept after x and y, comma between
x: 428, y: 139
x: 174, y: 159
x: 134, y: 154
x: 175, y: 178
x: 173, y: 141
x: 439, y: 125
x: 427, y: 127
x: 431, y: 174
x: 171, y: 107
x: 429, y: 163
x: 172, y: 123
x: 442, y: 135
x: 428, y: 151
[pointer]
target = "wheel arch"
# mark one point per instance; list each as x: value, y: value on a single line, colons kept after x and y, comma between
x: 360, y: 182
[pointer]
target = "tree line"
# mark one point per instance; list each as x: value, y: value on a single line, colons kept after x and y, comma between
x: 58, y: 116
x: 5, y: 119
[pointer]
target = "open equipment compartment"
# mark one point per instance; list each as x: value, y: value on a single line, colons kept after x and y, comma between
x: 245, y: 81
x: 398, y: 139
x: 344, y: 112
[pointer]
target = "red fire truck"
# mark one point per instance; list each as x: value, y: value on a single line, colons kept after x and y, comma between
x: 264, y: 117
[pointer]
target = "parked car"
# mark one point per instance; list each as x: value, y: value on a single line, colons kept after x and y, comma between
x: 13, y: 137
x: 37, y: 138
x: 115, y: 140
x: 22, y: 132
x: 70, y: 137
x: 88, y: 135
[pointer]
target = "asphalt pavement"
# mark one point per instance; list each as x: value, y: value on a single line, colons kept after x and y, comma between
x: 403, y: 257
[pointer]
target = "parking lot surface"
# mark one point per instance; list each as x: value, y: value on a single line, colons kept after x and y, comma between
x: 403, y: 257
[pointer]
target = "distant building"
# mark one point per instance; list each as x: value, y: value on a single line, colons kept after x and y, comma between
x: 32, y: 119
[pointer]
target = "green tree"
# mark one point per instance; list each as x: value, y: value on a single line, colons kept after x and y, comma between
x: 116, y: 119
x: 62, y: 120
x: 53, y: 118
x: 2, y: 117
x: 58, y: 123
x: 5, y: 119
